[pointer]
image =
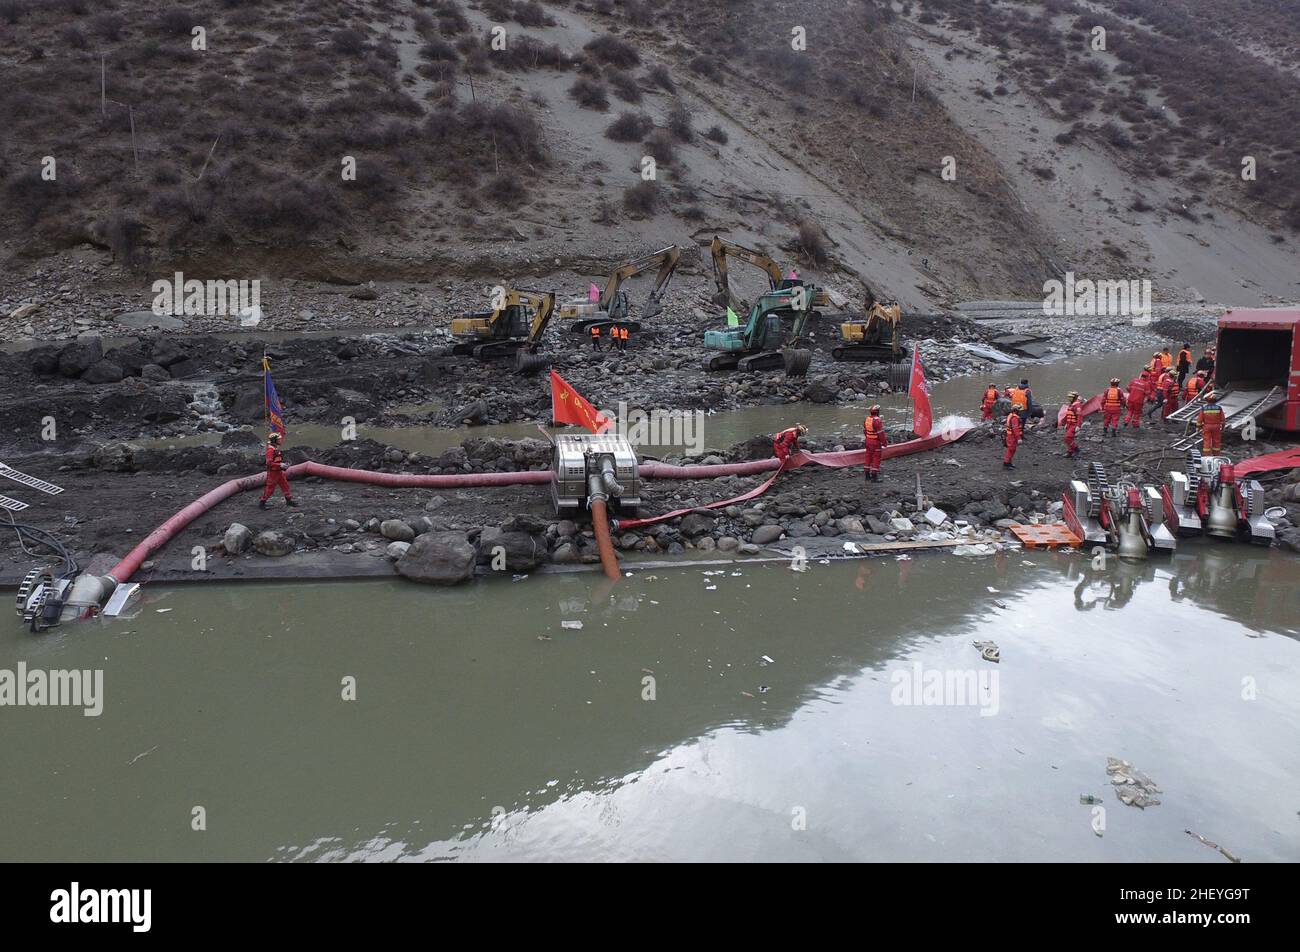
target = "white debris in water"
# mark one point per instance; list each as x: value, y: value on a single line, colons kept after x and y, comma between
x: 768, y: 660
x: 575, y: 625
x: 981, y: 548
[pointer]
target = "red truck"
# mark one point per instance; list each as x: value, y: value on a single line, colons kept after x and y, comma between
x: 1257, y: 365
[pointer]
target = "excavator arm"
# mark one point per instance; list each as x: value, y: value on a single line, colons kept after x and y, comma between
x: 721, y: 250
x: 665, y: 258
x: 545, y: 308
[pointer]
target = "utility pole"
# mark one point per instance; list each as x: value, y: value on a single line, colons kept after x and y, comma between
x: 130, y: 111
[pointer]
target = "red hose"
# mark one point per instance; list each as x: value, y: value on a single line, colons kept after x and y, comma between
x: 604, y: 544
x: 168, y: 530
x: 124, y: 569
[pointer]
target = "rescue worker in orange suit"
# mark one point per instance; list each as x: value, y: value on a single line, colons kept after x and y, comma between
x: 1137, y: 396
x: 786, y: 443
x: 1210, y: 420
x: 595, y: 336
x: 1013, y: 429
x: 1072, y: 421
x: 1168, y: 393
x: 275, y: 473
x: 1184, y: 364
x: 1195, y: 384
x: 1166, y: 359
x: 626, y: 335
x: 1112, y: 405
x: 874, y: 440
x: 989, y: 401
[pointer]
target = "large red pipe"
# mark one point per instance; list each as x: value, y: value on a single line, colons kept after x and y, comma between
x: 604, y: 544
x: 164, y: 533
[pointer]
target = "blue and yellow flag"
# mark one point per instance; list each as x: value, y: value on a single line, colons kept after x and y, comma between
x: 274, y: 409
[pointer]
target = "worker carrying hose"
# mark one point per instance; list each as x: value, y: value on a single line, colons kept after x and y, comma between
x: 1137, y: 396
x: 1073, y: 420
x: 1013, y: 430
x: 595, y: 336
x: 1112, y: 405
x: 1168, y: 393
x: 1210, y: 420
x: 989, y: 401
x: 275, y: 472
x: 874, y: 440
x: 786, y: 443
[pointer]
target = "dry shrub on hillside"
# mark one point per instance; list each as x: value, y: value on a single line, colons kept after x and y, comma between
x: 641, y: 200
x: 589, y: 94
x: 812, y: 243
x: 612, y: 51
x: 629, y: 127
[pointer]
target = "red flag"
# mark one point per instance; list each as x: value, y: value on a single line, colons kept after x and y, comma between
x: 922, y: 416
x: 568, y: 407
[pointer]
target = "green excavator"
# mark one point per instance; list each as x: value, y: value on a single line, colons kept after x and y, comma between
x: 762, y: 344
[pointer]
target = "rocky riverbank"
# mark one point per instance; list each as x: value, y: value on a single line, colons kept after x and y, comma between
x: 115, y: 494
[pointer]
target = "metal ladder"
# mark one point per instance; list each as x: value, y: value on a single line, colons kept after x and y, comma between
x: 1264, y: 403
x: 34, y: 482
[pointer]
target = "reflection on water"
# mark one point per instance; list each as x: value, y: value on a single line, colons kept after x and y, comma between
x: 703, y: 712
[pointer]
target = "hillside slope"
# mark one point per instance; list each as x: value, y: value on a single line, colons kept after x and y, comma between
x: 489, y: 162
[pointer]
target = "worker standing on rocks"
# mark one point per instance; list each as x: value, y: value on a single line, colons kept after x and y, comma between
x: 595, y: 336
x: 786, y: 443
x: 989, y: 401
x: 1137, y: 396
x: 874, y: 440
x: 1112, y: 405
x: 1184, y: 364
x: 1073, y: 420
x: 1210, y: 420
x: 1022, y: 399
x: 1012, y: 431
x: 275, y: 473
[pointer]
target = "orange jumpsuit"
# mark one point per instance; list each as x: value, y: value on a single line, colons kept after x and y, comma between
x: 1072, y: 421
x: 1210, y: 420
x: 1169, y: 388
x: 275, y: 474
x: 988, y: 403
x: 1012, y: 433
x: 1112, y: 404
x: 874, y: 439
x: 1137, y: 396
x: 785, y: 443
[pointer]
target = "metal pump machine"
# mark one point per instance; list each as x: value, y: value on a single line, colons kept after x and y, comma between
x: 594, y: 466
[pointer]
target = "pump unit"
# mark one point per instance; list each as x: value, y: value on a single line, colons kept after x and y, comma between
x: 586, y: 465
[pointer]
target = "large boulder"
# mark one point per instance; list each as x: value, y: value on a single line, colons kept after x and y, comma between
x: 821, y: 390
x: 696, y: 524
x: 238, y: 539
x: 167, y: 352
x: 765, y: 534
x: 104, y: 371
x: 397, y: 530
x: 438, y: 558
x: 273, y: 543
x: 523, y: 552
x: 80, y: 356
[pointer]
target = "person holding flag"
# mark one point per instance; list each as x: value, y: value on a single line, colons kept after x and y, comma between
x: 274, y: 457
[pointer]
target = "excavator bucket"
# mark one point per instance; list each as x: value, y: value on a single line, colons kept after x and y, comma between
x: 797, y: 360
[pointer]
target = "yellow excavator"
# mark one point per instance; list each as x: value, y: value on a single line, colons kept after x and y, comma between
x: 515, y: 327
x: 873, y: 337
x: 722, y: 250
x: 613, y: 306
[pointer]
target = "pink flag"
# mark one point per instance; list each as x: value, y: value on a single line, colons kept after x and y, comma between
x: 922, y: 416
x: 593, y: 293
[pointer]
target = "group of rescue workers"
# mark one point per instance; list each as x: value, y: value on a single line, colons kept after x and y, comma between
x: 619, y: 335
x: 874, y: 440
x: 1165, y: 383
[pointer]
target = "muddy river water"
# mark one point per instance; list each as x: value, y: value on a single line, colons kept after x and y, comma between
x: 484, y: 728
x: 694, y: 712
